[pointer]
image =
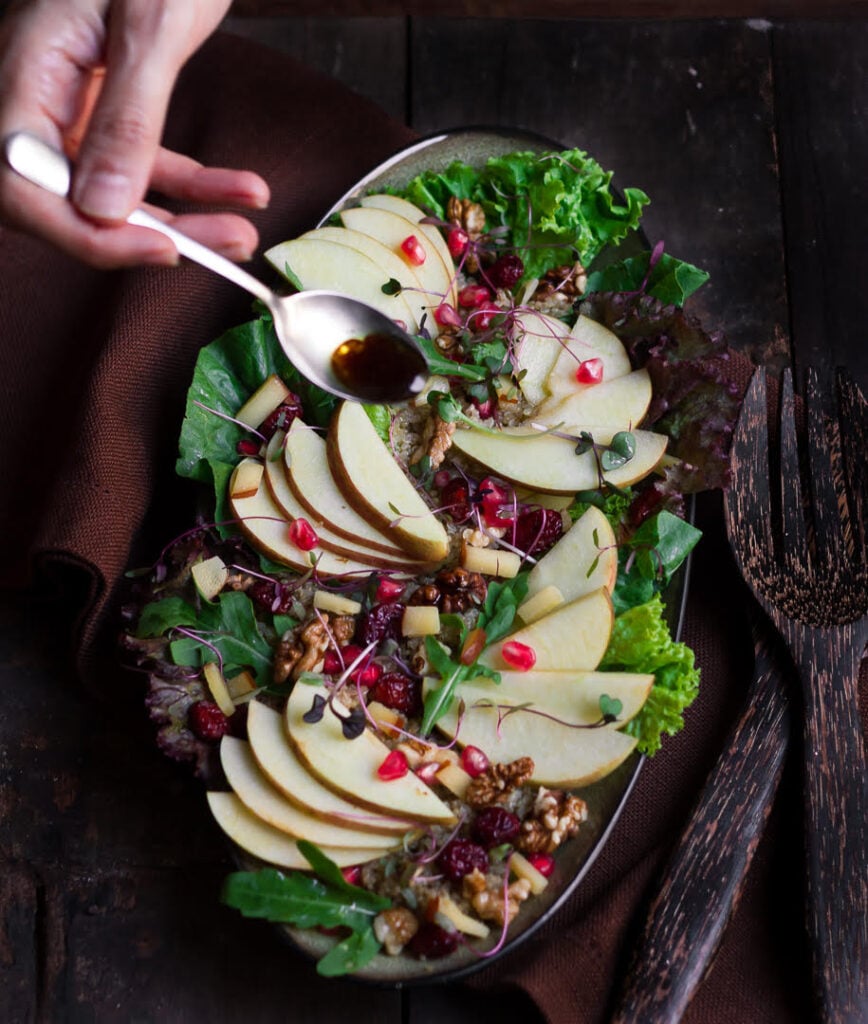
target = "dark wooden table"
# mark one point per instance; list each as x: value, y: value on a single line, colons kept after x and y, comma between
x: 750, y: 136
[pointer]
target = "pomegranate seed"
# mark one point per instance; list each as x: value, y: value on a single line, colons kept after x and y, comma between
x: 331, y: 663
x: 388, y: 590
x: 455, y: 496
x: 446, y: 316
x: 457, y: 240
x: 494, y: 499
x: 590, y: 371
x: 543, y: 862
x: 368, y: 675
x: 473, y: 295
x: 474, y: 761
x: 303, y: 535
x: 485, y: 409
x: 394, y: 766
x: 480, y: 319
x: 352, y: 874
x: 495, y: 825
x: 427, y: 771
x: 207, y: 722
x: 519, y: 655
x: 413, y: 250
x: 442, y: 478
x: 247, y: 446
x: 506, y: 271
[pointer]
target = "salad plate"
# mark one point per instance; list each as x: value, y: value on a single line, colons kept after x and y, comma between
x: 197, y: 649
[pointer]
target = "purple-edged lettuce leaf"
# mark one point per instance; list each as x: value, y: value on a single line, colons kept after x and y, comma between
x: 693, y: 401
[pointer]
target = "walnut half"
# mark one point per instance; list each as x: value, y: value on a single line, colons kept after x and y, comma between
x: 498, y: 781
x: 556, y: 817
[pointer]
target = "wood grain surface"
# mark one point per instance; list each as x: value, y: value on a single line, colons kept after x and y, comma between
x: 749, y: 134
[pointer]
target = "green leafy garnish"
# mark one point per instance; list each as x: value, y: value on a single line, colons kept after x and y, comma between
x: 650, y: 557
x: 641, y: 642
x: 325, y: 901
x: 669, y: 279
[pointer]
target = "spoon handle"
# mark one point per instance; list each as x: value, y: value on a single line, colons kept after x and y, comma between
x: 48, y: 168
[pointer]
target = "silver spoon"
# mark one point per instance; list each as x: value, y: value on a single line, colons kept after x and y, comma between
x: 339, y: 343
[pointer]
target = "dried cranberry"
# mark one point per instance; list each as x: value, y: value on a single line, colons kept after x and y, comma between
x: 455, y: 498
x: 382, y: 622
x: 537, y: 530
x: 207, y: 722
x: 398, y: 692
x: 271, y: 596
x: 506, y: 271
x: 288, y: 410
x: 432, y: 941
x: 460, y: 857
x: 495, y: 825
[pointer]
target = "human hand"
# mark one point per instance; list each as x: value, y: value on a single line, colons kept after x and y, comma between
x: 94, y: 78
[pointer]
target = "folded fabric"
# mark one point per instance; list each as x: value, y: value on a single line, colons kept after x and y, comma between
x: 93, y: 371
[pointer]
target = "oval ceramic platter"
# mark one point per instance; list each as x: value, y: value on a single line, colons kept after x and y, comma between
x: 605, y: 799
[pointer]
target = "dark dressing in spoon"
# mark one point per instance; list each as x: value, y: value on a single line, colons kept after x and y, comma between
x: 379, y: 367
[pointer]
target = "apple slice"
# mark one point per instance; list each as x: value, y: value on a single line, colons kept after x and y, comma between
x: 284, y: 496
x: 620, y: 403
x: 280, y: 765
x: 391, y: 229
x: 376, y: 487
x: 312, y: 483
x: 571, y: 696
x: 270, y: 844
x: 267, y: 528
x: 562, y: 756
x: 547, y: 463
x: 419, y: 300
x: 349, y: 767
x: 409, y: 211
x: 584, y: 559
x: 587, y: 340
x: 573, y: 637
x: 538, y: 342
x: 317, y: 263
x: 271, y: 806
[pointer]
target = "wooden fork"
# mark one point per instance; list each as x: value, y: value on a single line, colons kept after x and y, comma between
x: 796, y: 522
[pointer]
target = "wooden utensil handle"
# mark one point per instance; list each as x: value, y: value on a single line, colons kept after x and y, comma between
x: 704, y: 879
x: 836, y: 821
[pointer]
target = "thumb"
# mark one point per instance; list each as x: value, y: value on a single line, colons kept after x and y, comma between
x: 120, y: 143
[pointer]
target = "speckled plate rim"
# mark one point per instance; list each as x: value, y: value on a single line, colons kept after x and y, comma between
x: 607, y: 798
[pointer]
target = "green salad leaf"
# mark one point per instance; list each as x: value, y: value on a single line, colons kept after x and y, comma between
x: 641, y: 642
x: 650, y: 557
x: 324, y: 901
x: 227, y: 372
x: 555, y: 206
x: 669, y: 279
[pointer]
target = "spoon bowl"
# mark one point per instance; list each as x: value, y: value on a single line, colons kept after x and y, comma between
x: 344, y: 346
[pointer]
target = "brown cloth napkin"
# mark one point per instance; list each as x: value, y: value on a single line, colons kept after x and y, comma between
x: 93, y: 372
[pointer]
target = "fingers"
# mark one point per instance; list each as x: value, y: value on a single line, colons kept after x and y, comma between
x: 182, y: 178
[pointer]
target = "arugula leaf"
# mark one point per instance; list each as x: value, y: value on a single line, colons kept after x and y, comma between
x: 650, y: 557
x: 159, y: 617
x: 443, y: 367
x: 349, y: 954
x: 501, y: 601
x: 331, y: 874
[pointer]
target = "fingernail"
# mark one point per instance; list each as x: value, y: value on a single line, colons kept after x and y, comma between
x: 162, y: 257
x: 104, y: 195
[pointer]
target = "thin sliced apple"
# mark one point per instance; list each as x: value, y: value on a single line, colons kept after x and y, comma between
x: 314, y: 486
x: 391, y: 229
x: 562, y: 756
x: 376, y: 487
x: 419, y: 300
x: 270, y: 844
x: 573, y: 697
x: 317, y: 263
x: 409, y: 211
x: 538, y: 342
x: 280, y: 765
x: 620, y: 403
x: 584, y: 559
x: 268, y: 804
x: 349, y: 767
x: 544, y: 462
x: 267, y: 528
x: 587, y: 340
x: 291, y: 507
x: 573, y: 637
